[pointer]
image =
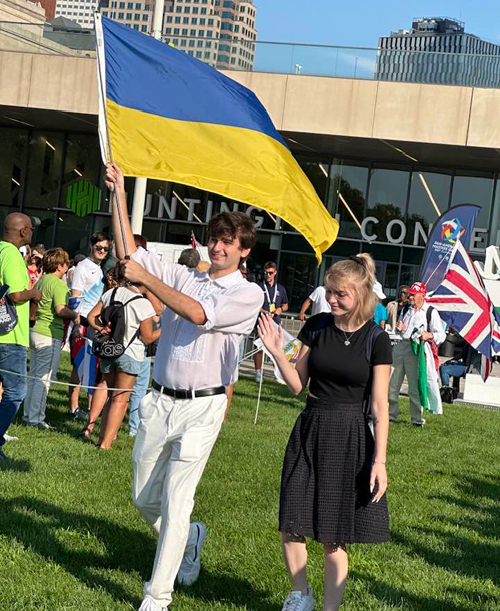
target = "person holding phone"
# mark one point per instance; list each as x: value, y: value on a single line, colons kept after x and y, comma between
x: 334, y: 479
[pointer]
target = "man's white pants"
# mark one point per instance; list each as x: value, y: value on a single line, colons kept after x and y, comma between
x: 405, y: 362
x: 44, y: 362
x: 172, y: 447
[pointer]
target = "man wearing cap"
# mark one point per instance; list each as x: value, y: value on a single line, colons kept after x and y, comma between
x: 421, y: 317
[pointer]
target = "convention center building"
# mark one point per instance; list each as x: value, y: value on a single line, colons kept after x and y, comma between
x: 386, y: 158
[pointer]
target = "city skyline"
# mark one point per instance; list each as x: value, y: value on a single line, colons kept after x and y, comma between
x: 363, y: 23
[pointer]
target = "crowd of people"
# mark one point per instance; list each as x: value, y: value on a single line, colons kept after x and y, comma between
x: 333, y: 486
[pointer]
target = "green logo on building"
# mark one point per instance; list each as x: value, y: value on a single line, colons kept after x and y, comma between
x: 82, y: 197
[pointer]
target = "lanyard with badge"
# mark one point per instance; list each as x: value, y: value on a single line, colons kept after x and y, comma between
x: 272, y: 304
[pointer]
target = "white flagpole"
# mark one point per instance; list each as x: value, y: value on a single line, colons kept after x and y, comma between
x: 260, y: 387
x: 102, y: 103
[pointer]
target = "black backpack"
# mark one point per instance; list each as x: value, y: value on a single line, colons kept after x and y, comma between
x: 111, y: 345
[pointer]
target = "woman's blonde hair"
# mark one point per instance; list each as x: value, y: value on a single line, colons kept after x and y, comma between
x: 358, y: 275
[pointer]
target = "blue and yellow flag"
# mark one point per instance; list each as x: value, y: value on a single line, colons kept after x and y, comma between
x: 172, y: 117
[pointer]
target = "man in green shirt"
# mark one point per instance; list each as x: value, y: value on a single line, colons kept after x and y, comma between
x: 17, y: 232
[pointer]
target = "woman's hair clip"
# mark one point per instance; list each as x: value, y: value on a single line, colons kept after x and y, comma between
x: 357, y: 260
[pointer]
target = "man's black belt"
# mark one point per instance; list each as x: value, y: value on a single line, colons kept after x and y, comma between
x: 189, y: 394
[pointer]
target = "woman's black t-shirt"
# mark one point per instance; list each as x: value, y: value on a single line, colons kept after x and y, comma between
x: 338, y: 372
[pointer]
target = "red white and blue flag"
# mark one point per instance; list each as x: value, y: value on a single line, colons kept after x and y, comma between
x: 463, y: 302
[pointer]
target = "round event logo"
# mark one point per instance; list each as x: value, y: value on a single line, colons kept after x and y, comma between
x: 452, y: 230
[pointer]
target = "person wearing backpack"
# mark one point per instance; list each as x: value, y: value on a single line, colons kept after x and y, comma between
x: 334, y: 478
x: 423, y: 318
x: 123, y: 319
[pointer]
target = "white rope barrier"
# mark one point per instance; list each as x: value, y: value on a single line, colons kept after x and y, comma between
x: 21, y: 375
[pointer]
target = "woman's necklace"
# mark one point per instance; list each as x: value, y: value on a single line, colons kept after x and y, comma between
x: 347, y: 341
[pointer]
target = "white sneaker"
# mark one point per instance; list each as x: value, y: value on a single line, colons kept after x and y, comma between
x: 258, y: 375
x: 296, y: 601
x: 149, y: 604
x: 191, y: 564
x: 10, y: 437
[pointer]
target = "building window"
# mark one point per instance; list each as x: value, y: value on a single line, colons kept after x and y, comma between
x: 144, y: 28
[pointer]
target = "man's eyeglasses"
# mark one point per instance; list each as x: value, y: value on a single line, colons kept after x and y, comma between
x: 102, y: 248
x: 271, y: 273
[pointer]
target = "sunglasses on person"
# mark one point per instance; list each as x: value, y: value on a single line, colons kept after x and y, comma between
x: 102, y: 248
x: 271, y: 273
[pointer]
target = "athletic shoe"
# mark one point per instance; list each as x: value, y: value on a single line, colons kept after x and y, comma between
x: 149, y: 604
x: 258, y: 375
x: 79, y: 414
x: 296, y: 601
x: 45, y: 426
x: 191, y: 563
x: 10, y: 437
x: 419, y: 424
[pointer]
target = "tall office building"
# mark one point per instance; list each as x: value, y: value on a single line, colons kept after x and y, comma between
x: 194, y: 27
x: 77, y: 10
x: 438, y: 50
x: 219, y: 32
x: 238, y: 33
x: 137, y: 15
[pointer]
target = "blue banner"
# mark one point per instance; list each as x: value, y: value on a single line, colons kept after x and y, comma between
x: 455, y: 224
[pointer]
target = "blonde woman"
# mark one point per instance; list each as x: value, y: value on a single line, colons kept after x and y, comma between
x: 334, y: 478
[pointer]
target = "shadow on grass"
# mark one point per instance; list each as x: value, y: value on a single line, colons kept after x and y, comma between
x: 458, y: 550
x: 38, y: 525
x: 13, y: 464
x: 219, y: 588
x: 394, y: 596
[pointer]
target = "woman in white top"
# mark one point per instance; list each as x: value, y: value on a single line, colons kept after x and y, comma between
x: 122, y: 372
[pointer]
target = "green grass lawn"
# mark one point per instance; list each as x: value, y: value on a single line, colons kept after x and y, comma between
x: 70, y: 538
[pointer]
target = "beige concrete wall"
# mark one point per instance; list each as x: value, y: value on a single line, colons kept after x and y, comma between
x: 49, y: 82
x: 21, y: 11
x: 330, y: 106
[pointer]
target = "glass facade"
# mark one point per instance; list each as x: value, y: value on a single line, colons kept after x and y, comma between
x: 384, y: 209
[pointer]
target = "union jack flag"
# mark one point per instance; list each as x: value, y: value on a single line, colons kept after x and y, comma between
x: 463, y: 302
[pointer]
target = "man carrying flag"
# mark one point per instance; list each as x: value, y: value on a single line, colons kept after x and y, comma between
x: 420, y: 322
x: 206, y: 316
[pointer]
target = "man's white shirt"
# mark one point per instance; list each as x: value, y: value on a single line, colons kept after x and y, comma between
x: 319, y: 302
x: 87, y: 278
x: 418, y: 319
x: 194, y: 357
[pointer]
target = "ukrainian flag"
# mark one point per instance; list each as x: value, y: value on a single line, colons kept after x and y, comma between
x: 172, y: 117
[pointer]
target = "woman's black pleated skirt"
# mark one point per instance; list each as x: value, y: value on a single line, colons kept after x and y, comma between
x: 325, y: 483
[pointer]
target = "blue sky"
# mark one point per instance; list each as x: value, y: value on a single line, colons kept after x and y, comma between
x: 361, y: 22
